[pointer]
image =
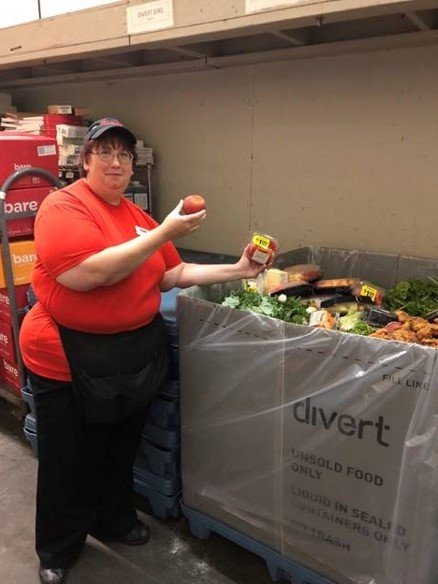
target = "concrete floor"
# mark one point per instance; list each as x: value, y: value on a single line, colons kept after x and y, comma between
x: 172, y: 556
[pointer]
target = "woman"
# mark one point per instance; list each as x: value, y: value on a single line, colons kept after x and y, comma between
x: 95, y: 345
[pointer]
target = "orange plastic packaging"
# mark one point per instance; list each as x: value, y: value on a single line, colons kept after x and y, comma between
x: 263, y: 248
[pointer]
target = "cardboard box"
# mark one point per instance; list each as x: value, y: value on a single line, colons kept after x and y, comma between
x: 60, y: 109
x: 24, y: 200
x: 9, y: 374
x: 19, y: 151
x: 20, y: 297
x: 7, y: 346
x: 319, y: 444
x: 53, y: 120
x: 23, y: 258
x: 82, y: 111
x: 68, y: 131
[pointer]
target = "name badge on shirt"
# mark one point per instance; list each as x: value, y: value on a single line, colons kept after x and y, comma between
x: 141, y: 230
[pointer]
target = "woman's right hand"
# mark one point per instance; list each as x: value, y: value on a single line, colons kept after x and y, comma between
x: 176, y: 225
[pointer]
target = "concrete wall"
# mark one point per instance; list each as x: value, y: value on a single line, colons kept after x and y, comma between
x: 337, y: 151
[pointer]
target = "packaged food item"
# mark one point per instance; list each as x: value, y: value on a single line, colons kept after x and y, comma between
x: 336, y: 286
x: 378, y: 317
x: 322, y: 319
x: 254, y: 284
x: 367, y: 291
x: 344, y: 305
x: 263, y: 248
x: 304, y: 272
x: 325, y: 301
x: 273, y: 278
x: 302, y: 289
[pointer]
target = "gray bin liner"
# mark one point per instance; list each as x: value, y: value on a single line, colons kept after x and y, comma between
x: 319, y: 444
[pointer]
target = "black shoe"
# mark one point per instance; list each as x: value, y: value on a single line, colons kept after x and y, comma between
x: 53, y: 575
x: 138, y: 535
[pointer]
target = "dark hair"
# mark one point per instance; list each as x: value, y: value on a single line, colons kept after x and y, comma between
x: 110, y: 138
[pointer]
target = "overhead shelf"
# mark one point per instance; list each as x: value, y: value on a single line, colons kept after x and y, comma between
x: 95, y: 44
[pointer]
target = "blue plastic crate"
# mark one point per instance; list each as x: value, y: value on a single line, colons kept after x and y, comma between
x: 174, y: 364
x: 30, y: 423
x: 164, y: 412
x: 32, y: 439
x: 171, y: 389
x: 173, y: 337
x: 29, y: 398
x: 30, y: 431
x: 162, y: 506
x: 167, y: 485
x: 161, y: 461
x: 279, y: 567
x: 168, y: 310
x: 169, y: 438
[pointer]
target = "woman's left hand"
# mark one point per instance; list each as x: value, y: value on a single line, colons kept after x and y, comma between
x: 248, y: 267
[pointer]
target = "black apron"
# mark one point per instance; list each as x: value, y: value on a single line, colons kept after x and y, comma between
x: 116, y: 375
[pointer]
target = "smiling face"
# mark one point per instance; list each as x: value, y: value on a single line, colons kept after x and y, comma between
x: 107, y: 174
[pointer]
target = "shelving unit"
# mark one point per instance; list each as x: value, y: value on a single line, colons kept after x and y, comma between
x: 205, y: 35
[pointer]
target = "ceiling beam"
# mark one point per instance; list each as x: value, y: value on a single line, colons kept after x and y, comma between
x: 293, y: 40
x: 117, y: 60
x: 187, y: 52
x: 419, y: 21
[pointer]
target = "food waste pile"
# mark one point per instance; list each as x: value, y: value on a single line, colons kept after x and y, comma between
x: 408, y: 312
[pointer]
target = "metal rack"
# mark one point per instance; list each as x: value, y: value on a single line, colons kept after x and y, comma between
x: 7, y: 265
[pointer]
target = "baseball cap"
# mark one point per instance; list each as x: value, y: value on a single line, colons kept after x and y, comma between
x: 99, y: 127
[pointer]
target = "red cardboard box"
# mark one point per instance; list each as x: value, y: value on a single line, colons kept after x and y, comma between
x: 19, y: 151
x: 21, y: 299
x: 19, y: 200
x: 52, y: 120
x: 7, y: 348
x: 23, y: 258
x: 9, y: 374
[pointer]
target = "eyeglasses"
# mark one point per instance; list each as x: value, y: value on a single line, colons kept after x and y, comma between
x: 123, y: 157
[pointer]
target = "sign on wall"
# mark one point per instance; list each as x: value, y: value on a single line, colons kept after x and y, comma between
x: 150, y: 16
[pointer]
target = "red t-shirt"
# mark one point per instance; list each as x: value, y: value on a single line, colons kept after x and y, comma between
x: 73, y: 224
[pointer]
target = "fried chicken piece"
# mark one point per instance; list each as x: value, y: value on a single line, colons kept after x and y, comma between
x: 402, y: 315
x: 405, y: 335
x: 409, y: 329
x: 425, y: 333
x: 380, y: 334
x: 430, y: 343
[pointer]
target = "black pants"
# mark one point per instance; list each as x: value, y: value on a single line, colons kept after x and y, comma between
x: 84, y: 475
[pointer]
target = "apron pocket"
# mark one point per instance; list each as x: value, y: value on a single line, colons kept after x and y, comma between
x: 111, y: 398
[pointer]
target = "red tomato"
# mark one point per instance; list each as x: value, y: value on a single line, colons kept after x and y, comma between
x: 193, y: 204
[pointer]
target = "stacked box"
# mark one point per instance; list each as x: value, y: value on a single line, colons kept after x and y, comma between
x: 70, y: 139
x: 23, y: 257
x: 157, y: 467
x: 318, y: 445
x: 19, y: 151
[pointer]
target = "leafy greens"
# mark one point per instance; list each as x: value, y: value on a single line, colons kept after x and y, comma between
x: 291, y: 310
x: 416, y: 297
